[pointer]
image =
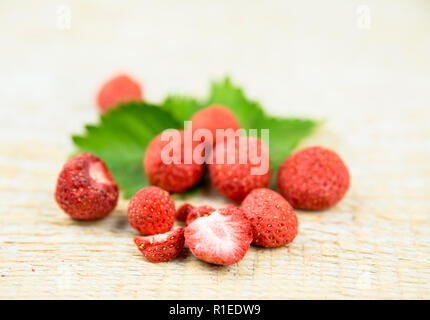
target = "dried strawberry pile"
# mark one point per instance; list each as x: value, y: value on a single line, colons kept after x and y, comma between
x: 314, y: 178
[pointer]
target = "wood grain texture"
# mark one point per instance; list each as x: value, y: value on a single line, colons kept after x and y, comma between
x: 374, y: 244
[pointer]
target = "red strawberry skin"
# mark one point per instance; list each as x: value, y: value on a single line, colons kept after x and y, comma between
x: 235, y: 181
x: 222, y: 238
x: 314, y: 178
x: 195, y: 213
x: 121, y: 88
x: 183, y: 211
x: 161, y: 247
x: 272, y: 218
x: 151, y: 210
x: 85, y: 188
x: 173, y: 177
x: 215, y: 117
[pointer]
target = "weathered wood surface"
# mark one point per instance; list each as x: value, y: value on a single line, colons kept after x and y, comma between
x: 371, y: 86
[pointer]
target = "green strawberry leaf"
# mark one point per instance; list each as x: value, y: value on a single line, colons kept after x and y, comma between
x: 247, y: 112
x: 121, y: 139
x: 123, y: 134
x: 182, y: 108
x: 285, y: 133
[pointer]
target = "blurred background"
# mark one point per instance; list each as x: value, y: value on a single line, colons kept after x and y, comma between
x: 297, y: 57
x: 362, y: 66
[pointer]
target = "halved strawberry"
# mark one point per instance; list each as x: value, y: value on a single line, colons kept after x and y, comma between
x: 195, y: 213
x: 222, y: 238
x: 161, y: 247
x: 183, y: 211
x: 85, y: 189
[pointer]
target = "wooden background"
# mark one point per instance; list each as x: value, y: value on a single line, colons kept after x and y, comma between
x: 371, y: 86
